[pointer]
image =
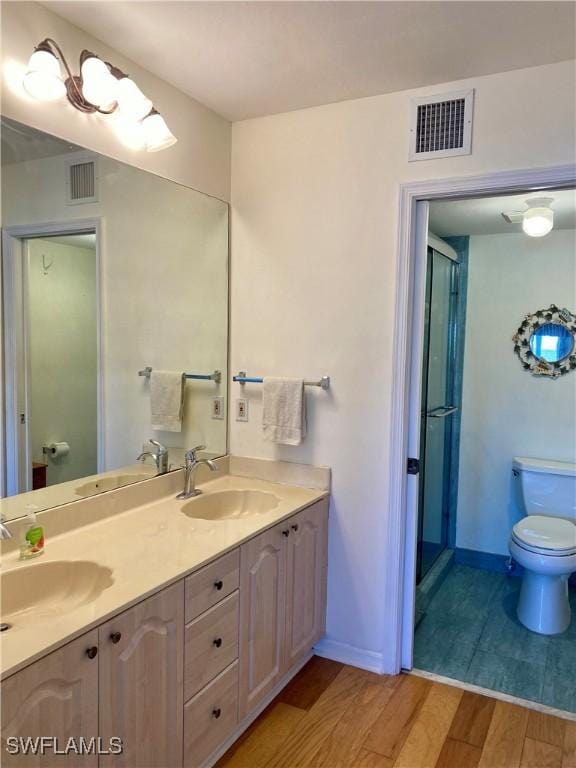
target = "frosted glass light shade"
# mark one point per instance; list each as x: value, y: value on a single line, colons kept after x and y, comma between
x: 158, y: 135
x: 132, y: 103
x: 537, y: 222
x: 98, y: 84
x: 43, y: 79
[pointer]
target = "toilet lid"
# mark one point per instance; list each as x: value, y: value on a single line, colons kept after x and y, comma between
x: 546, y: 533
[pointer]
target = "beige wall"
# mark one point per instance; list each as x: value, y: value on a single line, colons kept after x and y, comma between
x: 509, y: 276
x: 200, y: 159
x: 314, y: 231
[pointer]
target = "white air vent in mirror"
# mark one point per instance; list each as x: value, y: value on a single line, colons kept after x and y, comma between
x: 441, y: 125
x: 81, y: 179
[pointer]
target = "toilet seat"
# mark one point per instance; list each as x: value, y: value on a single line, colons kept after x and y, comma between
x: 550, y: 536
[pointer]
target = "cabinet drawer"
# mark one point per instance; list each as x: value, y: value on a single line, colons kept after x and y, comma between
x: 211, y: 644
x: 210, y: 717
x: 211, y: 584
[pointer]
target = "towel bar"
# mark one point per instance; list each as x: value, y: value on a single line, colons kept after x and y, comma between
x: 242, y: 378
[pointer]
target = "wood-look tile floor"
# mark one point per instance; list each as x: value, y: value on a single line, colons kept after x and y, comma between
x: 335, y: 716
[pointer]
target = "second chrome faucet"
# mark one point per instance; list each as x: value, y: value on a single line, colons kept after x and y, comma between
x: 192, y: 464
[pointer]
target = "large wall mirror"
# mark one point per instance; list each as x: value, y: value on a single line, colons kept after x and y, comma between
x: 115, y: 283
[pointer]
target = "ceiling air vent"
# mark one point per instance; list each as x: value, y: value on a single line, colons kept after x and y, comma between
x: 441, y: 125
x: 81, y: 180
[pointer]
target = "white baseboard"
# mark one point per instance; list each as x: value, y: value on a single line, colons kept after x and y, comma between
x: 372, y: 661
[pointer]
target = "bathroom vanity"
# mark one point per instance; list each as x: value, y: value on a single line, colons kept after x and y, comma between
x: 175, y: 637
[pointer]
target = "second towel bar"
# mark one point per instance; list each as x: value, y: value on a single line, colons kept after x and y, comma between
x: 242, y: 378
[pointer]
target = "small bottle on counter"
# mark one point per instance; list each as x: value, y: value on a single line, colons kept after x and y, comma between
x: 33, y: 544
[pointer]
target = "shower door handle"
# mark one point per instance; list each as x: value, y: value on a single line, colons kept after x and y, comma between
x: 442, y: 411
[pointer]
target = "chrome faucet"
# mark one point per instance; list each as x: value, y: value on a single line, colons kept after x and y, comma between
x: 5, y: 533
x: 192, y: 464
x: 160, y: 457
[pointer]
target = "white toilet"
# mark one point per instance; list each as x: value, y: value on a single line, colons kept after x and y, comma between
x: 544, y: 542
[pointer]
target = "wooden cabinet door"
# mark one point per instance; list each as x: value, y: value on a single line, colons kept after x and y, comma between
x: 56, y: 696
x: 141, y: 681
x: 306, y: 581
x: 262, y: 614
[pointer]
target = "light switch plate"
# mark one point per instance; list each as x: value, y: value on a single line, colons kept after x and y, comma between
x: 241, y: 409
x: 217, y: 407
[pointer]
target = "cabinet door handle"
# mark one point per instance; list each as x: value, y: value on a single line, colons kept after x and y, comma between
x: 217, y: 643
x: 294, y: 527
x: 115, y: 637
x: 286, y: 532
x: 218, y: 585
x: 92, y: 652
x: 216, y: 712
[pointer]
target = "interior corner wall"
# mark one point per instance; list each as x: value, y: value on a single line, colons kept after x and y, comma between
x: 314, y: 236
x: 506, y: 411
x: 200, y: 159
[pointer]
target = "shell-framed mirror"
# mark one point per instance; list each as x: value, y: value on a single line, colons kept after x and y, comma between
x: 545, y: 342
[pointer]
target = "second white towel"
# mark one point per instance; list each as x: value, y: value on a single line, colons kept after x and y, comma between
x: 284, y: 410
x: 167, y: 400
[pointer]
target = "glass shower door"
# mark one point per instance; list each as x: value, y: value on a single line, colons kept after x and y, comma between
x: 438, y: 408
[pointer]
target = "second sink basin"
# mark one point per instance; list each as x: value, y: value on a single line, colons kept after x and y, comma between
x: 43, y: 591
x: 230, y: 505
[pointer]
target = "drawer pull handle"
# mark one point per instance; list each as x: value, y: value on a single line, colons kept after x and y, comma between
x: 286, y: 532
x: 92, y: 652
x: 216, y: 712
x: 294, y: 527
x: 218, y: 642
x: 218, y: 585
x: 115, y: 637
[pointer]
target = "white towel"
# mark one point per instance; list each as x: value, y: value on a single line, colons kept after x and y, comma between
x: 284, y: 410
x: 167, y: 400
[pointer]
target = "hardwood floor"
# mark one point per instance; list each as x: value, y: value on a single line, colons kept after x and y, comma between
x: 334, y: 716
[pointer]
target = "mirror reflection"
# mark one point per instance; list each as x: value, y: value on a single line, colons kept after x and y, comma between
x: 551, y: 342
x: 108, y: 272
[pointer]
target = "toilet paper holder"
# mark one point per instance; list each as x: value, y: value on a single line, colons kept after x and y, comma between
x: 56, y: 450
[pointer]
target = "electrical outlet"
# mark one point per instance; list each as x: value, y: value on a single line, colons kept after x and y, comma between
x: 217, y: 407
x: 241, y: 409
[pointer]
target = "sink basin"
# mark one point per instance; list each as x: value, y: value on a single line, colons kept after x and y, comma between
x: 44, y: 591
x: 109, y: 483
x: 230, y: 505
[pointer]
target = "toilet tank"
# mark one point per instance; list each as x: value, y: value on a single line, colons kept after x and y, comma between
x: 546, y: 487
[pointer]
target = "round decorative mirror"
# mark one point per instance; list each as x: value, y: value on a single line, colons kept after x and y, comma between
x: 551, y: 342
x: 545, y: 342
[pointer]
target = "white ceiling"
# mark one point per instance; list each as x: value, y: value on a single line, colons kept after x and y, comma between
x: 483, y: 215
x: 21, y: 142
x: 76, y: 240
x: 245, y: 59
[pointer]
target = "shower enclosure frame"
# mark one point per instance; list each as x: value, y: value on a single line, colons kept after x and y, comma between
x: 14, y: 373
x: 403, y: 488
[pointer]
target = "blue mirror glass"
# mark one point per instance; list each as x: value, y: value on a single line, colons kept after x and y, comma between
x: 551, y: 342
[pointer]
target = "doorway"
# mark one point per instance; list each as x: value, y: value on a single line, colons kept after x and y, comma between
x: 52, y: 377
x: 403, y: 493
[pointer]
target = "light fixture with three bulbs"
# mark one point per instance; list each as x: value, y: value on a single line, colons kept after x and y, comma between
x: 101, y: 87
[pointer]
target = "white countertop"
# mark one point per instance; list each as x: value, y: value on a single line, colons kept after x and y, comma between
x: 146, y: 548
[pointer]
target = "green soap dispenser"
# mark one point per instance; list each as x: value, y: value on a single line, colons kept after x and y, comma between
x: 33, y: 544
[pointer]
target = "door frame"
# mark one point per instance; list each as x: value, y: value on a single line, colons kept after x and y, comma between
x: 405, y: 398
x: 15, y: 358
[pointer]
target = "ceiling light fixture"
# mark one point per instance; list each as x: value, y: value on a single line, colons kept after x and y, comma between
x: 100, y: 87
x: 538, y: 220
